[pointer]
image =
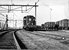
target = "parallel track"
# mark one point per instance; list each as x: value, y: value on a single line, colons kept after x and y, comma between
x: 60, y: 38
x: 32, y: 39
x: 7, y: 40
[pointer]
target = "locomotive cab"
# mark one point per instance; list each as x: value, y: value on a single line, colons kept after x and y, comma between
x: 29, y: 22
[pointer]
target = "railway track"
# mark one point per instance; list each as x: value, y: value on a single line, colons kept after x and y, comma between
x: 25, y: 39
x: 52, y: 36
x: 7, y: 40
x: 34, y: 39
x: 55, y: 33
x: 61, y: 39
x: 20, y: 43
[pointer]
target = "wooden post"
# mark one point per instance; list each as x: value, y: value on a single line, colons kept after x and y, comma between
x: 35, y: 11
x: 6, y: 21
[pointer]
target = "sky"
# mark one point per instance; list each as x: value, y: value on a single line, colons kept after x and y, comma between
x: 48, y: 10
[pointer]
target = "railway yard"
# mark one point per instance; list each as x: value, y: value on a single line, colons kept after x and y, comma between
x: 36, y: 40
x: 8, y: 40
x: 23, y: 26
x: 45, y: 40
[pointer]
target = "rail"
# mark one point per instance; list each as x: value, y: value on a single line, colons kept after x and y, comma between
x: 18, y: 47
x: 22, y: 45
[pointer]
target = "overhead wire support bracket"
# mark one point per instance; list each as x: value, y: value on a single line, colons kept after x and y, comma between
x: 9, y: 9
x: 21, y: 9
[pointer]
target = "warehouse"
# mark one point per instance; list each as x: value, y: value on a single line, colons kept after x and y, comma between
x: 63, y: 24
x: 50, y: 26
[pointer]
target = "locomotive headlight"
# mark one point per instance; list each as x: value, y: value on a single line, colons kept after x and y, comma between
x: 29, y: 19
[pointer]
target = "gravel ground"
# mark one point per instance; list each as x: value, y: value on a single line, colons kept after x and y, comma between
x: 7, y: 41
x: 35, y: 42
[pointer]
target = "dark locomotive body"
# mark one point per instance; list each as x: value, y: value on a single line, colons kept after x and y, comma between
x: 29, y: 23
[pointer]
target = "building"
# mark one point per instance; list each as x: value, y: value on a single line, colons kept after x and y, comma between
x: 49, y: 26
x: 63, y: 24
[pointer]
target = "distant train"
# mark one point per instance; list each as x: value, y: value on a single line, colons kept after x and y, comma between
x: 49, y: 26
x: 30, y: 24
x: 63, y: 24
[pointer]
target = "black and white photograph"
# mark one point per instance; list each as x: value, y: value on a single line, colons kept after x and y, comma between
x: 34, y: 24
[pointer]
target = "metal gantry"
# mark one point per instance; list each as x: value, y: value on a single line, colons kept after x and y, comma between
x: 14, y: 7
x: 9, y: 7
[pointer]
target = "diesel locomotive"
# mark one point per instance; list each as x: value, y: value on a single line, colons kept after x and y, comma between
x: 29, y: 23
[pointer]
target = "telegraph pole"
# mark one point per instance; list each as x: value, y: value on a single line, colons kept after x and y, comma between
x: 35, y: 11
x: 6, y: 21
x: 16, y: 24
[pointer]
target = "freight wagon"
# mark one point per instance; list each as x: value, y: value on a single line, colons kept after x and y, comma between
x: 49, y: 26
x: 63, y: 24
